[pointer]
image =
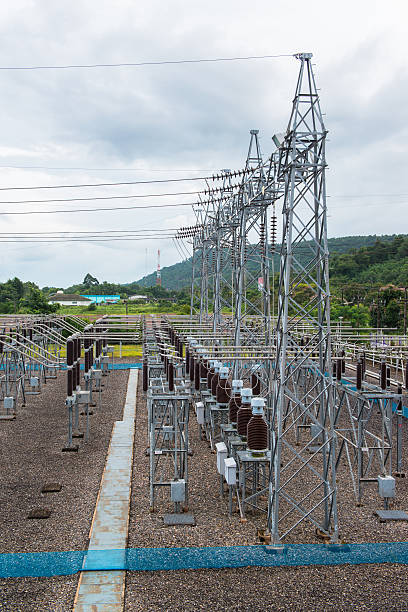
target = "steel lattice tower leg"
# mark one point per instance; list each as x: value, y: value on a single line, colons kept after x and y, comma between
x: 303, y: 482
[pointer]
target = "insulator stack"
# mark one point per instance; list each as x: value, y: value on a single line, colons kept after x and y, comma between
x: 234, y: 406
x: 70, y: 363
x: 192, y: 368
x: 255, y: 384
x: 383, y: 376
x: 145, y: 376
x: 197, y: 375
x: 359, y: 374
x: 274, y: 226
x: 399, y: 404
x: 203, y: 369
x: 257, y: 433
x: 171, y: 376
x: 214, y: 383
x: 223, y: 391
x: 338, y: 369
x: 210, y: 374
x: 244, y: 413
x: 243, y: 417
x: 262, y: 238
x: 86, y: 361
x: 257, y: 429
x: 187, y: 360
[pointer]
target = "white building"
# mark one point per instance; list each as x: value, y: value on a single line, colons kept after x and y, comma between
x: 138, y: 297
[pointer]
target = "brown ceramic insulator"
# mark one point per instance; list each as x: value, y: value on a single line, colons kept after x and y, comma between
x: 234, y: 406
x: 257, y: 433
x: 171, y: 377
x: 192, y: 368
x: 145, y: 376
x: 359, y: 374
x: 214, y: 384
x: 210, y: 375
x: 203, y: 369
x: 255, y: 384
x: 223, y: 393
x: 244, y: 415
x: 399, y: 404
x: 383, y: 375
x: 197, y: 376
x: 70, y: 383
x: 187, y: 361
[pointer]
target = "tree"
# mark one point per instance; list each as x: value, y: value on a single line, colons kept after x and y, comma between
x: 35, y: 302
x: 90, y: 281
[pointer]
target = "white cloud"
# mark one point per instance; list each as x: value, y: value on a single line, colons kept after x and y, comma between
x: 191, y: 116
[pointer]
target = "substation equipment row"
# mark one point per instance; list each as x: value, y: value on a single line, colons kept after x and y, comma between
x: 290, y: 405
x: 33, y: 349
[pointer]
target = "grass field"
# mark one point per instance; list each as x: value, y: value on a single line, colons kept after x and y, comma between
x: 126, y: 350
x: 114, y: 309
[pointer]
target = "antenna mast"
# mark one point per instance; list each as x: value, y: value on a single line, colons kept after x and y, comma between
x: 158, y: 275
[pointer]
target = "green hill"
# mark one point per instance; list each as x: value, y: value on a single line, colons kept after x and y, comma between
x: 179, y: 275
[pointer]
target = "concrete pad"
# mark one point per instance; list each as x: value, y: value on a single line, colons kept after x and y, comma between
x: 101, y: 577
x: 103, y: 590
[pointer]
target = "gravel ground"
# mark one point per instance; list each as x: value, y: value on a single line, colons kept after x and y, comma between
x: 345, y: 588
x: 214, y: 525
x: 348, y: 587
x: 31, y: 457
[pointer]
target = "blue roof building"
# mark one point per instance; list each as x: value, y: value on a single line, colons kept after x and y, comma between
x: 103, y: 299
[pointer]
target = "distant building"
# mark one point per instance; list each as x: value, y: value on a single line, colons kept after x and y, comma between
x: 69, y: 299
x: 103, y: 299
x: 138, y: 297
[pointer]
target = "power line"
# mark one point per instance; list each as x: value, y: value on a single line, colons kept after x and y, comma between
x: 141, y: 231
x: 123, y: 197
x: 150, y: 63
x: 110, y: 169
x: 175, y: 180
x: 53, y: 212
x: 90, y: 239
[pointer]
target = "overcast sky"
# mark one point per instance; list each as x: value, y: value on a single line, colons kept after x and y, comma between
x: 157, y: 122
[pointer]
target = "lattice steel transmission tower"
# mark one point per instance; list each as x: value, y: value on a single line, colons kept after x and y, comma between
x: 302, y: 477
x: 251, y: 269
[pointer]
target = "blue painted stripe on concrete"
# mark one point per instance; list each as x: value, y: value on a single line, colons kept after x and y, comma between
x: 14, y: 565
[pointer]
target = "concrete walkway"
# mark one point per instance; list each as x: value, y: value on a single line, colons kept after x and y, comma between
x: 103, y: 591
